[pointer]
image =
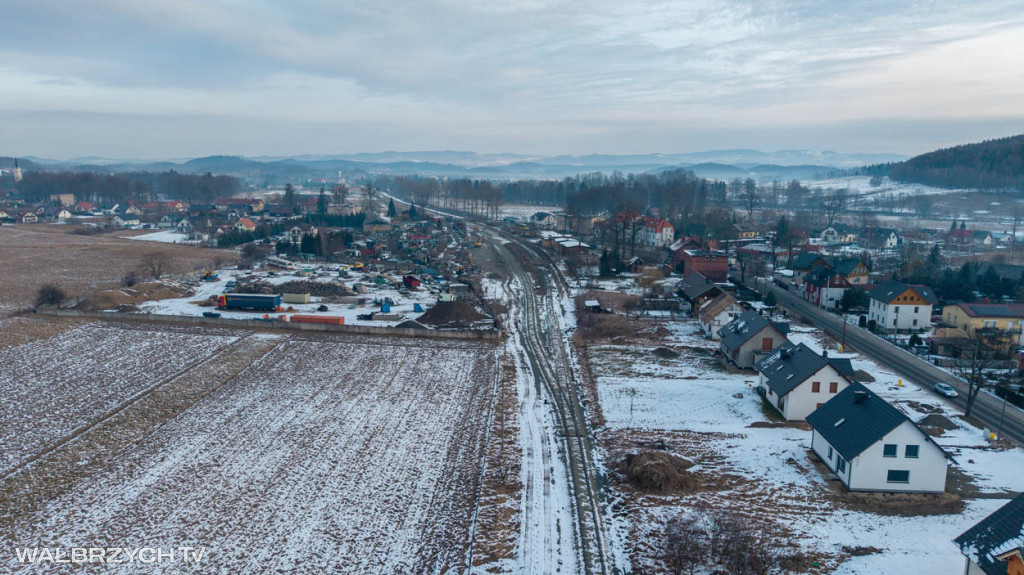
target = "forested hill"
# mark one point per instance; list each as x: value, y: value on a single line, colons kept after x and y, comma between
x: 990, y: 165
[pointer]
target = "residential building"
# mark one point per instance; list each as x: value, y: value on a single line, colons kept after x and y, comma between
x: 697, y: 290
x: 715, y: 314
x: 838, y: 234
x: 245, y: 225
x: 872, y: 446
x: 126, y: 220
x: 898, y: 307
x: 543, y: 221
x: 657, y: 232
x: 712, y: 264
x: 798, y: 381
x: 994, y: 546
x: 823, y: 287
x: 749, y: 337
x: 1003, y: 319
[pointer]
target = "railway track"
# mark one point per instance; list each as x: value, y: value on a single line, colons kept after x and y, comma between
x: 542, y: 337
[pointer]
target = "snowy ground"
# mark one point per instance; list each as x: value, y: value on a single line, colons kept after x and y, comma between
x: 165, y: 237
x: 55, y: 386
x: 861, y: 185
x: 696, y: 403
x: 525, y: 211
x: 325, y: 455
x: 404, y: 303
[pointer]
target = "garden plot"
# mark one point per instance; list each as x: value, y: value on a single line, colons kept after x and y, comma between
x: 56, y: 386
x: 345, y: 454
x: 745, y: 462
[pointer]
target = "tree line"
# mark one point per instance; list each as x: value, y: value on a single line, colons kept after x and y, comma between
x: 121, y: 188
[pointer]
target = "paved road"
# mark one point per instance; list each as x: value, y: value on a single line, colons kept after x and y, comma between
x: 987, y: 409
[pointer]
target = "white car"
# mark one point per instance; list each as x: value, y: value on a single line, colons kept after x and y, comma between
x: 945, y: 389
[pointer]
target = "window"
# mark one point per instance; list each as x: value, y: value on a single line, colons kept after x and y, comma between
x: 840, y: 464
x: 889, y: 450
x: 916, y: 308
x: 815, y: 387
x: 911, y: 451
x: 898, y: 476
x: 833, y: 387
x: 915, y: 322
x: 830, y: 453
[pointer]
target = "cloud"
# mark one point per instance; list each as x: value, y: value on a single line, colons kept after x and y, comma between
x: 554, y: 64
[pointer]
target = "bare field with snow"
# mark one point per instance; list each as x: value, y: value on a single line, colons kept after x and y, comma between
x: 704, y: 413
x: 326, y: 454
x: 33, y: 255
x: 58, y: 385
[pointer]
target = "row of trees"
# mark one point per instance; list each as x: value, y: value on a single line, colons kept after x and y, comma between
x: 121, y: 188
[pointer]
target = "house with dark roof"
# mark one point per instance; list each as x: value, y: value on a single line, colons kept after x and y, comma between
x: 898, y: 307
x: 697, y: 290
x: 994, y: 546
x: 1002, y: 324
x: 823, y: 287
x: 838, y: 234
x: 797, y: 380
x: 872, y: 446
x: 749, y: 337
x: 715, y: 314
x: 805, y: 262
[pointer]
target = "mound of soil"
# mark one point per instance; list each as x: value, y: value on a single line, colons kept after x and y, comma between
x: 665, y: 353
x: 863, y: 376
x: 119, y: 298
x: 315, y: 289
x: 939, y: 422
x: 659, y: 472
x: 452, y: 314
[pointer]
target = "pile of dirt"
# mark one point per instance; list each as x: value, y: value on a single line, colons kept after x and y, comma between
x: 862, y: 376
x: 935, y: 424
x: 143, y: 292
x: 452, y: 314
x: 659, y: 472
x: 665, y: 353
x: 315, y: 289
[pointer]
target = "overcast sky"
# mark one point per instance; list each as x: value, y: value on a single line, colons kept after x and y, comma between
x: 184, y: 78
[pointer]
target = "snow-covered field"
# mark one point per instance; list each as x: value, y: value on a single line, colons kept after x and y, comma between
x: 53, y: 387
x: 357, y: 455
x: 705, y: 411
x: 164, y: 237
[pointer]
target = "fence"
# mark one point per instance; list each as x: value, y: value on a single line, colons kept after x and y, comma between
x: 467, y: 334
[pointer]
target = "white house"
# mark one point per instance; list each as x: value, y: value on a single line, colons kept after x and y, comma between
x: 872, y: 446
x: 995, y: 545
x: 126, y: 220
x: 657, y: 232
x: 898, y: 307
x: 717, y: 313
x: 798, y: 381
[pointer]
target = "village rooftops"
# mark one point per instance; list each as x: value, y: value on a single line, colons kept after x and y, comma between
x: 856, y: 419
x: 997, y: 536
x: 992, y: 309
x: 790, y: 365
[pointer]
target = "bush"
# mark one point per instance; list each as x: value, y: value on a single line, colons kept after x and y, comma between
x: 659, y: 471
x: 50, y: 294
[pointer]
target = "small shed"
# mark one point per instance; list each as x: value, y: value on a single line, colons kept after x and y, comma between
x: 593, y: 306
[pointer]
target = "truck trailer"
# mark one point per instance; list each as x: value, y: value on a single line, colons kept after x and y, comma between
x: 253, y: 301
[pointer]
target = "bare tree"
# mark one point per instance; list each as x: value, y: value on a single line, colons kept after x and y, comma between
x: 976, y: 362
x: 156, y: 265
x: 833, y: 202
x: 50, y: 294
x: 339, y: 193
x: 371, y: 191
x: 751, y: 197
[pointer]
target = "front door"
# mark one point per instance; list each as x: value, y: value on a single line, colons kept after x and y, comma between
x: 766, y: 344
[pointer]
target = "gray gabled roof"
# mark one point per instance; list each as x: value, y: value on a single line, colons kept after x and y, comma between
x: 743, y: 327
x: 995, y: 535
x: 885, y: 292
x: 694, y: 285
x: 854, y: 420
x: 789, y: 366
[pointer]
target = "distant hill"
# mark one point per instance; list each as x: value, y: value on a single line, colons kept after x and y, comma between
x: 989, y: 165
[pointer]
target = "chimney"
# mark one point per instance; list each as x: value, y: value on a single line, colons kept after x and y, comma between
x: 824, y: 353
x: 860, y: 396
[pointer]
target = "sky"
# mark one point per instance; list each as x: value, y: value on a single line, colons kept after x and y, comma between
x: 165, y: 79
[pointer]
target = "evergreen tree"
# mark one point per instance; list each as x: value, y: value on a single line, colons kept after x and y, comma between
x: 391, y: 208
x: 289, y: 196
x: 321, y: 204
x: 953, y: 225
x: 412, y: 211
x: 308, y: 244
